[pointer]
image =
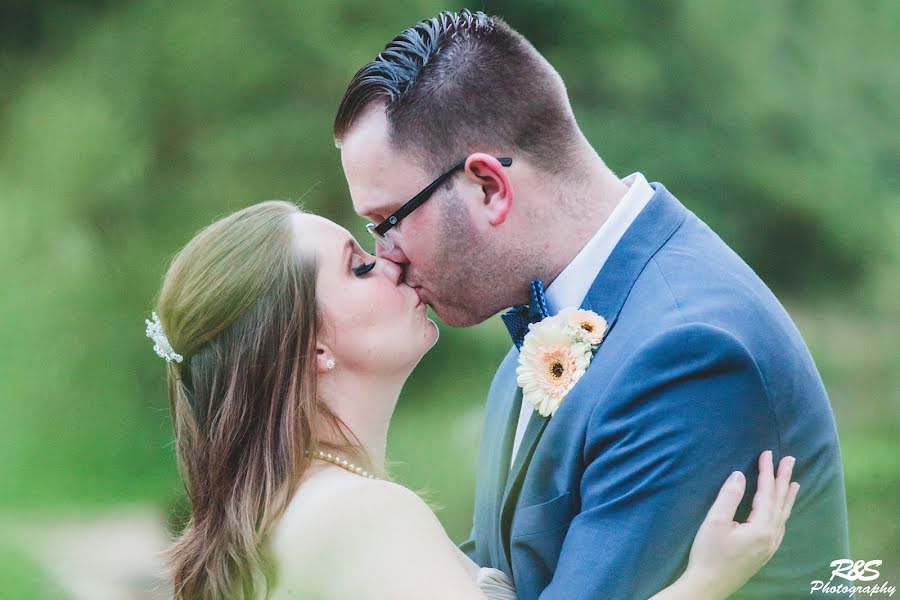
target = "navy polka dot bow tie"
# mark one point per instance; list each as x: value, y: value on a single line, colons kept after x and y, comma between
x: 518, y: 318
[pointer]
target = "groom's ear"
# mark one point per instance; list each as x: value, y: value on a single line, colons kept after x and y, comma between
x: 496, y: 189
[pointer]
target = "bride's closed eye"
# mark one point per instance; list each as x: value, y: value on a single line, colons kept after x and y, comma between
x: 359, y: 266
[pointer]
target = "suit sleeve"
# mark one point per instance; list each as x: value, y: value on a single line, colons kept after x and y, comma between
x: 684, y: 411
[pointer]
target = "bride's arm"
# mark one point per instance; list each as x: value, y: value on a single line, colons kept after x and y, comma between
x: 726, y: 554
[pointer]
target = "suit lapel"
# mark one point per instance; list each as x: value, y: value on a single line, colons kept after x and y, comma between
x: 502, y: 472
x: 652, y: 228
x: 500, y: 427
x: 536, y: 426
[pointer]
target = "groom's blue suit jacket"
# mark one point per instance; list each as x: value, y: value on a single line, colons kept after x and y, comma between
x: 701, y: 370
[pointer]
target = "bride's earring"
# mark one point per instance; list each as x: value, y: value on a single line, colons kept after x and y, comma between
x: 329, y: 364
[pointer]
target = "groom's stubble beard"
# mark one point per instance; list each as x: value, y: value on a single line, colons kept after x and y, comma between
x: 471, y: 271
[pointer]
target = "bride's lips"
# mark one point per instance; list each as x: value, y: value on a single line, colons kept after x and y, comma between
x: 418, y: 292
x: 415, y: 290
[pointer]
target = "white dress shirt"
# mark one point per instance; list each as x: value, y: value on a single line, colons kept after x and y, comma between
x: 571, y: 286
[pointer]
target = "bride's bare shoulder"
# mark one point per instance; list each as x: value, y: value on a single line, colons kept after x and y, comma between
x: 341, y: 510
x: 346, y: 537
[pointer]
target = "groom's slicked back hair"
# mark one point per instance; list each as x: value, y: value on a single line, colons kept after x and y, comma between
x: 463, y: 82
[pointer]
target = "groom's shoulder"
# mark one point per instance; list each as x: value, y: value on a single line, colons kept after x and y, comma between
x: 707, y: 279
x: 695, y: 253
x: 696, y: 280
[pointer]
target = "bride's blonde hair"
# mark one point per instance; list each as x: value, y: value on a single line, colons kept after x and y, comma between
x: 239, y: 304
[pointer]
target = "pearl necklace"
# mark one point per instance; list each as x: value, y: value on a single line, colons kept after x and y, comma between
x: 344, y: 464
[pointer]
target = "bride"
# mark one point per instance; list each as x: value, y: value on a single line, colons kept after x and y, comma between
x: 287, y: 346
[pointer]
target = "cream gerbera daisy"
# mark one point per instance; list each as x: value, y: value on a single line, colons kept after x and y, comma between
x: 550, y: 363
x: 584, y: 324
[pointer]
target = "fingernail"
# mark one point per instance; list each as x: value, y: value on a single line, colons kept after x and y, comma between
x: 735, y: 477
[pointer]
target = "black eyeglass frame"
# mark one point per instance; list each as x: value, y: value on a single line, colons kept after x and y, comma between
x: 379, y: 231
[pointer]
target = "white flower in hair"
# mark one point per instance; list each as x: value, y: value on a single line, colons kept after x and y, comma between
x: 160, y: 341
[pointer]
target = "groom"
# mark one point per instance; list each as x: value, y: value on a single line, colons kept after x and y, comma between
x: 460, y: 146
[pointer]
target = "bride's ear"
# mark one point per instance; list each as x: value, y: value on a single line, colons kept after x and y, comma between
x: 324, y: 359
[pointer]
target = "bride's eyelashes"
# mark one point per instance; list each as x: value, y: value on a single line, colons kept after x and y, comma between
x: 360, y: 270
x: 363, y: 269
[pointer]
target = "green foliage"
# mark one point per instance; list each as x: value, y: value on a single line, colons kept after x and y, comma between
x: 768, y: 118
x: 19, y: 578
x: 125, y: 127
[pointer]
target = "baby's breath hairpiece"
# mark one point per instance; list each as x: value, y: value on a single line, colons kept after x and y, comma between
x: 160, y: 341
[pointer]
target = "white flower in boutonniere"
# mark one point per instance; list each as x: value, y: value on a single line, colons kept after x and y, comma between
x: 586, y: 325
x: 555, y: 354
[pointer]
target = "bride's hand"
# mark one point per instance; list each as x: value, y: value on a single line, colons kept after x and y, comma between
x: 725, y: 553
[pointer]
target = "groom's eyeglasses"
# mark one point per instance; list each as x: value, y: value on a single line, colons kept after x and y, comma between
x: 378, y: 231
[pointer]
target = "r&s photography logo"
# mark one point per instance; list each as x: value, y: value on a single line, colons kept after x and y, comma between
x: 853, y: 571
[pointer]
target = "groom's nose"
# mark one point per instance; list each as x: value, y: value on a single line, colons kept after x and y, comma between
x: 392, y: 271
x: 394, y: 255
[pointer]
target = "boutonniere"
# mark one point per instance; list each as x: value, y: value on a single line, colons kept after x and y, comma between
x: 555, y: 354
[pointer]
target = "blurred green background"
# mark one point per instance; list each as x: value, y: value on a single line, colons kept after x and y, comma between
x: 126, y: 126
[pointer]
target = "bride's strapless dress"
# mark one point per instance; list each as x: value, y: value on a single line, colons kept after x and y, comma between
x: 493, y: 583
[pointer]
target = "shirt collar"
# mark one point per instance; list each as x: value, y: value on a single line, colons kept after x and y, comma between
x: 572, y: 284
